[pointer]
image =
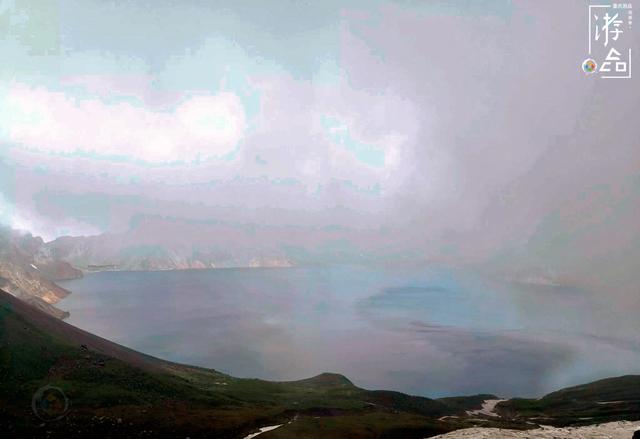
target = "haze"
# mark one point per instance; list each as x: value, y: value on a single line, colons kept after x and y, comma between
x: 394, y: 132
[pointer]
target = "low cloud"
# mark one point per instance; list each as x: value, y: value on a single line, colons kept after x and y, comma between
x: 465, y: 136
x: 200, y: 127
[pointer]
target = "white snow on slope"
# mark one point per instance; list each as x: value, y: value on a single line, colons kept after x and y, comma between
x: 263, y: 430
x: 488, y: 407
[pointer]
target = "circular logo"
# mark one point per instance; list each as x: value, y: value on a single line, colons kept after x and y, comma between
x: 49, y: 403
x: 589, y: 66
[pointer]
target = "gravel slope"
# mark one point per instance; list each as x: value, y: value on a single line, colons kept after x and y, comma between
x: 610, y: 430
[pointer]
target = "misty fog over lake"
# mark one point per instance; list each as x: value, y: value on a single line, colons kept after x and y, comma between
x: 433, y: 332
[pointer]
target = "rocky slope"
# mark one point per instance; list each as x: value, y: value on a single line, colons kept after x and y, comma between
x: 609, y: 430
x: 28, y: 272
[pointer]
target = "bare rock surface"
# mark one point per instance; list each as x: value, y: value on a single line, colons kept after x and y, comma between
x: 610, y: 430
x: 29, y: 275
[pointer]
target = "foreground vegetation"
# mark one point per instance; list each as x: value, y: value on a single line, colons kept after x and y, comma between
x: 611, y: 399
x: 115, y: 392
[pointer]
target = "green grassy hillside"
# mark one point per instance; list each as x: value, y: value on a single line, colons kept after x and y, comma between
x: 117, y: 392
x: 611, y: 399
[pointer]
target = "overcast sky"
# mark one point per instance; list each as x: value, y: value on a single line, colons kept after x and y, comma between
x: 464, y: 131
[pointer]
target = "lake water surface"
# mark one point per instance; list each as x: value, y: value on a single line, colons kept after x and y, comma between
x: 431, y: 332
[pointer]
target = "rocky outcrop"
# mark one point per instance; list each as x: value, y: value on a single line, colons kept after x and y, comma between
x: 28, y: 274
x: 51, y: 266
x: 610, y: 430
x: 58, y: 270
x: 28, y: 281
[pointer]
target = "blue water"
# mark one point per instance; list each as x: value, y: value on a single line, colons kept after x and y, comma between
x: 431, y: 332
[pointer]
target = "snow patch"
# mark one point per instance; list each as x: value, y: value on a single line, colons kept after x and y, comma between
x: 488, y: 407
x: 263, y: 430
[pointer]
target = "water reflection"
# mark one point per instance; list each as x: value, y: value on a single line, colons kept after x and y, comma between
x: 432, y: 332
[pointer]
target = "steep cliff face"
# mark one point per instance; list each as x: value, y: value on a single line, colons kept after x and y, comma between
x: 52, y: 268
x: 58, y: 270
x: 29, y: 273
